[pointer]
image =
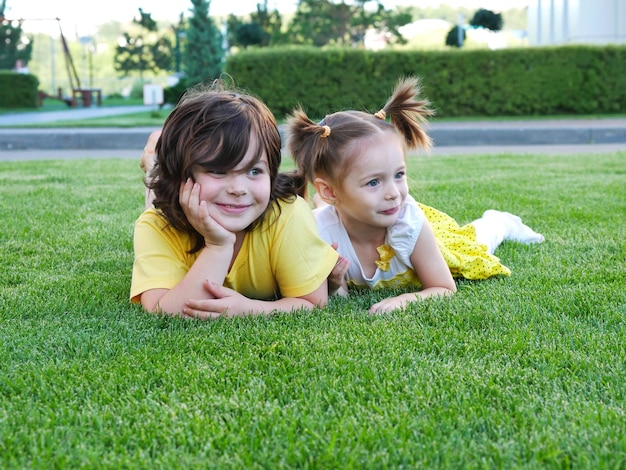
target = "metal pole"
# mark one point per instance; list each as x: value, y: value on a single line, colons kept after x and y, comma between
x: 53, y: 81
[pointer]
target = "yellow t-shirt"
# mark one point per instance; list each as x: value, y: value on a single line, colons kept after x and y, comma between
x: 283, y: 257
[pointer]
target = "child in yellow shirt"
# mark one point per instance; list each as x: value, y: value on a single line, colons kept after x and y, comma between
x: 226, y: 233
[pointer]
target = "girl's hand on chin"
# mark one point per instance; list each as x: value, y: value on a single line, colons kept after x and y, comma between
x: 197, y: 213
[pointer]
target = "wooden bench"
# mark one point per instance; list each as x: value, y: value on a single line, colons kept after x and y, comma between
x: 86, y: 95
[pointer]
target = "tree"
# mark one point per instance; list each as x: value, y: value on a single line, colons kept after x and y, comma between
x: 204, y: 54
x: 456, y: 36
x: 322, y: 22
x: 271, y: 23
x: 138, y: 53
x: 264, y: 29
x: 248, y: 34
x: 13, y: 47
x: 145, y: 20
x: 180, y: 34
x: 487, y: 19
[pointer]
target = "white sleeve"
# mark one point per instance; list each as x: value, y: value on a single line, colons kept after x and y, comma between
x: 327, y: 223
x: 403, y: 235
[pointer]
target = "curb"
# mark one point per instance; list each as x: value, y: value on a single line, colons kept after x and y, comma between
x: 74, y: 139
x: 527, y: 136
x: 473, y: 134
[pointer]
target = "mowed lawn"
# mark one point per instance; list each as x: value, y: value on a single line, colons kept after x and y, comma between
x: 527, y: 371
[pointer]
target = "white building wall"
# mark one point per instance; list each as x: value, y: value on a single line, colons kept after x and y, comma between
x: 552, y: 22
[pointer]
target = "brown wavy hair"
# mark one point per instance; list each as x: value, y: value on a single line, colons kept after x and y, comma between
x: 326, y: 148
x: 211, y: 127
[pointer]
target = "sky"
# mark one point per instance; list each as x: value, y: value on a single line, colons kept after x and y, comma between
x: 83, y: 17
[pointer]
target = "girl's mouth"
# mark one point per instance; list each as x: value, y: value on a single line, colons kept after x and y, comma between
x: 233, y: 208
x: 391, y: 211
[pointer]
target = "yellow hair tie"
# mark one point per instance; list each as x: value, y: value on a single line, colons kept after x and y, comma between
x: 382, y: 115
x: 326, y: 132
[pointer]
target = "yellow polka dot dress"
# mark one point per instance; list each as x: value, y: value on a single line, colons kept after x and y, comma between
x: 465, y: 256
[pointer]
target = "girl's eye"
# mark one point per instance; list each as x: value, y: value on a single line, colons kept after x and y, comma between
x: 399, y: 175
x: 216, y: 173
x: 255, y: 172
x: 372, y: 183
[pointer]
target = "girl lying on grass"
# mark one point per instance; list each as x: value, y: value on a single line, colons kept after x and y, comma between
x: 224, y: 232
x: 356, y: 162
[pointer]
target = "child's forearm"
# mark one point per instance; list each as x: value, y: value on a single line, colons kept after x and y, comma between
x: 226, y: 302
x: 435, y: 292
x: 211, y: 265
x: 212, y: 309
x: 401, y: 301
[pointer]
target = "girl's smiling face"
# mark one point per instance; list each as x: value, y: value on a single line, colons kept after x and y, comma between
x: 374, y: 186
x: 237, y: 197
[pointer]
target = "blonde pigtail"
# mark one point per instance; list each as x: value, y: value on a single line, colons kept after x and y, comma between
x: 408, y: 113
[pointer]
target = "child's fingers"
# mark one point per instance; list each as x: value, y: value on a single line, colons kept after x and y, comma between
x: 188, y: 191
x: 188, y: 312
x: 341, y: 268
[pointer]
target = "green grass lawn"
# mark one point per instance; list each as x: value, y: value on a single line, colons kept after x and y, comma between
x: 520, y: 372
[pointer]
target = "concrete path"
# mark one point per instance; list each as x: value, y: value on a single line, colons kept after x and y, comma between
x: 528, y: 136
x: 68, y: 115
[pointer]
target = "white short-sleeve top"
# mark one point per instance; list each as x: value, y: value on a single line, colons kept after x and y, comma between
x: 395, y: 268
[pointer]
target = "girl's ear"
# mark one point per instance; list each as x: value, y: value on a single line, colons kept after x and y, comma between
x: 325, y: 190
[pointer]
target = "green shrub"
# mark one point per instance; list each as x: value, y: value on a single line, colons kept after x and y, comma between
x: 18, y: 90
x: 507, y: 82
x: 172, y: 94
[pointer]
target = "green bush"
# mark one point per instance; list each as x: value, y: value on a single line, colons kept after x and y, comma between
x: 18, y: 90
x: 172, y: 94
x: 507, y: 82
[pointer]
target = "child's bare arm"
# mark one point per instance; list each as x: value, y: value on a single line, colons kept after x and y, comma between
x: 147, y: 161
x: 431, y: 269
x: 229, y: 303
x: 212, y: 264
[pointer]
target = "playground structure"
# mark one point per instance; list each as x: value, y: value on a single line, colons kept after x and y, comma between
x: 86, y: 95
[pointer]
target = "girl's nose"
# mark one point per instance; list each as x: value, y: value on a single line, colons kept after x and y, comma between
x: 392, y: 193
x: 236, y: 186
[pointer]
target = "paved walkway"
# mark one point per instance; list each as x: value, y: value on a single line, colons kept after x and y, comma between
x: 68, y: 115
x: 527, y: 136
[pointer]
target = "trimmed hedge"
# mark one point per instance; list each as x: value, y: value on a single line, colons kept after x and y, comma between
x: 18, y: 90
x: 508, y: 82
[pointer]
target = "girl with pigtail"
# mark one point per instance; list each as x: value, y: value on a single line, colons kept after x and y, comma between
x: 385, y: 238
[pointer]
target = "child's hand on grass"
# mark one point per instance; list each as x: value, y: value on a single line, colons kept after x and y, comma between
x: 227, y: 303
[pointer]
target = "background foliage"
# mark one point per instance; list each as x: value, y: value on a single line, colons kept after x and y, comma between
x: 508, y: 82
x: 204, y: 56
x: 18, y: 90
x: 95, y: 62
